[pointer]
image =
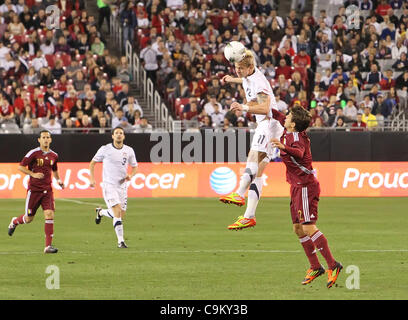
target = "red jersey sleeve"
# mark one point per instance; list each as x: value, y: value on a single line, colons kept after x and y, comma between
x: 296, y: 150
x: 54, y: 166
x: 28, y: 158
x: 277, y: 115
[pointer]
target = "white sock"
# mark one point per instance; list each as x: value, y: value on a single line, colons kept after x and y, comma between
x: 250, y: 173
x: 254, y: 195
x: 107, y: 213
x: 118, y: 226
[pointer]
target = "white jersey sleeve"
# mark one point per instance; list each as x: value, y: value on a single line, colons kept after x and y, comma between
x: 256, y: 84
x: 132, y: 158
x: 100, y: 155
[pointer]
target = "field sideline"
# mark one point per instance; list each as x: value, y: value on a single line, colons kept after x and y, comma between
x: 181, y: 249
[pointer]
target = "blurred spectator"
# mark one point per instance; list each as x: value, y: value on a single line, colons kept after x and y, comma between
x: 190, y: 111
x: 318, y: 123
x: 32, y: 128
x: 98, y: 47
x: 359, y: 125
x: 83, y: 122
x: 340, y: 124
x: 368, y: 118
x: 6, y: 111
x: 119, y: 120
x: 103, y: 125
x: 321, y: 113
x: 53, y: 126
x: 374, y: 76
x: 128, y: 21
x: 217, y: 116
x: 284, y: 70
x: 123, y: 70
x: 350, y: 111
x: 149, y: 58
x: 104, y: 13
x: 143, y: 127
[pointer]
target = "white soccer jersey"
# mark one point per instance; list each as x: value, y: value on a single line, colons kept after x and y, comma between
x: 115, y: 163
x: 253, y: 85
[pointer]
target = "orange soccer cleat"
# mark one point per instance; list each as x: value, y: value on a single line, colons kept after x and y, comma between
x: 312, y: 274
x: 242, y: 223
x: 332, y: 274
x: 233, y: 198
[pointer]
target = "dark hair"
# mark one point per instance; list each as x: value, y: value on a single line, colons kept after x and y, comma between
x: 113, y: 130
x: 301, y: 117
x: 44, y: 130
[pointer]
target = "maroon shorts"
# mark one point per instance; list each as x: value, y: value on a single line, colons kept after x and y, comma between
x: 35, y: 199
x: 304, y: 202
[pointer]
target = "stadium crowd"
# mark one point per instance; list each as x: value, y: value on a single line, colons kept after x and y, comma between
x: 66, y: 77
x: 61, y: 77
x: 346, y: 75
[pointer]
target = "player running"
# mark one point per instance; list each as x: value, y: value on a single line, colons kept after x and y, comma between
x: 295, y: 152
x: 260, y: 102
x: 38, y: 163
x: 116, y: 157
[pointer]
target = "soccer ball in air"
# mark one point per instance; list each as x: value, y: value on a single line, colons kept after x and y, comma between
x: 234, y: 51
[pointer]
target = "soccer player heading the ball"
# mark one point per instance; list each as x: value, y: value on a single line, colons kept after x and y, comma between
x: 116, y: 157
x: 296, y: 154
x: 38, y: 163
x: 260, y: 102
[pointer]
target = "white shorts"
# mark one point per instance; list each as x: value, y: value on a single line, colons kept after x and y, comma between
x: 114, y: 195
x: 265, y: 131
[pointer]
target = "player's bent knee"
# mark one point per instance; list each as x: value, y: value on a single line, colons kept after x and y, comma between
x: 309, y: 229
x: 48, y: 214
x: 297, y: 228
x: 117, y: 211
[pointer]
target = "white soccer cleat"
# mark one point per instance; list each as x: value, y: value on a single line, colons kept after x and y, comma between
x: 11, y: 227
x: 50, y: 249
x: 98, y: 216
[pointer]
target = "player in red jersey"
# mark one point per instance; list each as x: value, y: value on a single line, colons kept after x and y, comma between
x: 295, y: 152
x: 38, y: 163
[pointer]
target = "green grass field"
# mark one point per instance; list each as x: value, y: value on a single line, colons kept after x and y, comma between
x: 181, y: 249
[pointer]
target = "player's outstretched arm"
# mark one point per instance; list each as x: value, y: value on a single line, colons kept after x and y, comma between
x: 230, y: 79
x: 92, y: 173
x: 37, y: 175
x: 296, y: 150
x: 277, y: 115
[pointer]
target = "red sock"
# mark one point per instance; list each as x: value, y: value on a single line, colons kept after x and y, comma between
x: 322, y: 245
x: 49, y: 231
x: 309, y: 248
x: 19, y: 220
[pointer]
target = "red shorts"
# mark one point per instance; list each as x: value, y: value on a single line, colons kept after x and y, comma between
x: 304, y: 202
x: 35, y: 199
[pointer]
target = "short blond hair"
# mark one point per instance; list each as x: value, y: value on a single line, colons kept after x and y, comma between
x: 248, y: 60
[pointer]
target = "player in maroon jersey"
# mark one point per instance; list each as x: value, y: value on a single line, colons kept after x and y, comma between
x: 295, y: 152
x: 38, y: 163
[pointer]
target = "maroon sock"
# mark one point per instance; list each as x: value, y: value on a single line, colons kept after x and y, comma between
x: 19, y: 220
x: 309, y: 248
x: 321, y: 244
x: 49, y: 231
